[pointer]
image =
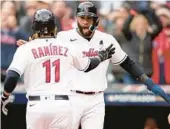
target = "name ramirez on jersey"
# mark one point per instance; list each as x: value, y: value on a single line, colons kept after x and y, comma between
x: 49, y: 50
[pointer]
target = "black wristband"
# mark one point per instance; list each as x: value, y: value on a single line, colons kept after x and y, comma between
x: 11, y: 81
x: 131, y: 67
x: 94, y: 62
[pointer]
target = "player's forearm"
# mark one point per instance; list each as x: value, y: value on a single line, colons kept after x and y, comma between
x: 131, y: 67
x: 94, y: 62
x: 135, y: 70
x: 10, y: 83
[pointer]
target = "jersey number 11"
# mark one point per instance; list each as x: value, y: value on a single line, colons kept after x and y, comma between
x: 47, y: 65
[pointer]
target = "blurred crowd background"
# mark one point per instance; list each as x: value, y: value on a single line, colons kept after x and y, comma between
x: 142, y: 28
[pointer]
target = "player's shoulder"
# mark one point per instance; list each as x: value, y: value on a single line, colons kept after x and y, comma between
x: 23, y: 48
x: 103, y: 34
x: 29, y: 44
x: 65, y: 36
x: 32, y: 43
x: 66, y: 33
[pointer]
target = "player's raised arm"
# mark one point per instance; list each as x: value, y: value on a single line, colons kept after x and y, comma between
x: 87, y: 64
x: 121, y: 58
x: 14, y: 72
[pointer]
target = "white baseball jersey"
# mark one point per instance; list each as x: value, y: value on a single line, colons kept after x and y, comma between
x: 94, y: 80
x: 46, y: 64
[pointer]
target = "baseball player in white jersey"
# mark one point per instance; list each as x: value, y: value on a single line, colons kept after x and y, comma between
x: 45, y: 62
x: 87, y: 97
x: 87, y: 88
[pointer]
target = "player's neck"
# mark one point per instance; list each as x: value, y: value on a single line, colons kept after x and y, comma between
x: 86, y: 37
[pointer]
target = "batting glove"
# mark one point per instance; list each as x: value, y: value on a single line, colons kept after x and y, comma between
x: 106, y: 54
x: 5, y: 100
x: 156, y: 89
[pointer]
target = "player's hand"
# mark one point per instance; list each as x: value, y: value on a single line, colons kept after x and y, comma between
x: 169, y: 118
x: 22, y: 42
x: 5, y: 100
x: 106, y: 54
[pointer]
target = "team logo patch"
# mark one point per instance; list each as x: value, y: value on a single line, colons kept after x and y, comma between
x: 101, y: 45
x: 91, y: 53
x: 86, y: 9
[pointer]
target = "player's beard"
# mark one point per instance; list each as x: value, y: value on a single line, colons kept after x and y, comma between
x: 85, y: 32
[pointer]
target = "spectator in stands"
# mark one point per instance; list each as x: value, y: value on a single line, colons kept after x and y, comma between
x: 140, y: 28
x: 13, y: 7
x: 116, y: 21
x: 68, y: 19
x: 26, y: 21
x: 59, y: 10
x: 118, y: 72
x: 31, y: 7
x: 10, y: 33
x: 161, y: 49
x: 157, y: 4
x: 9, y: 5
x: 150, y: 123
x: 111, y: 24
x: 64, y: 15
x: 44, y: 4
x: 118, y: 18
